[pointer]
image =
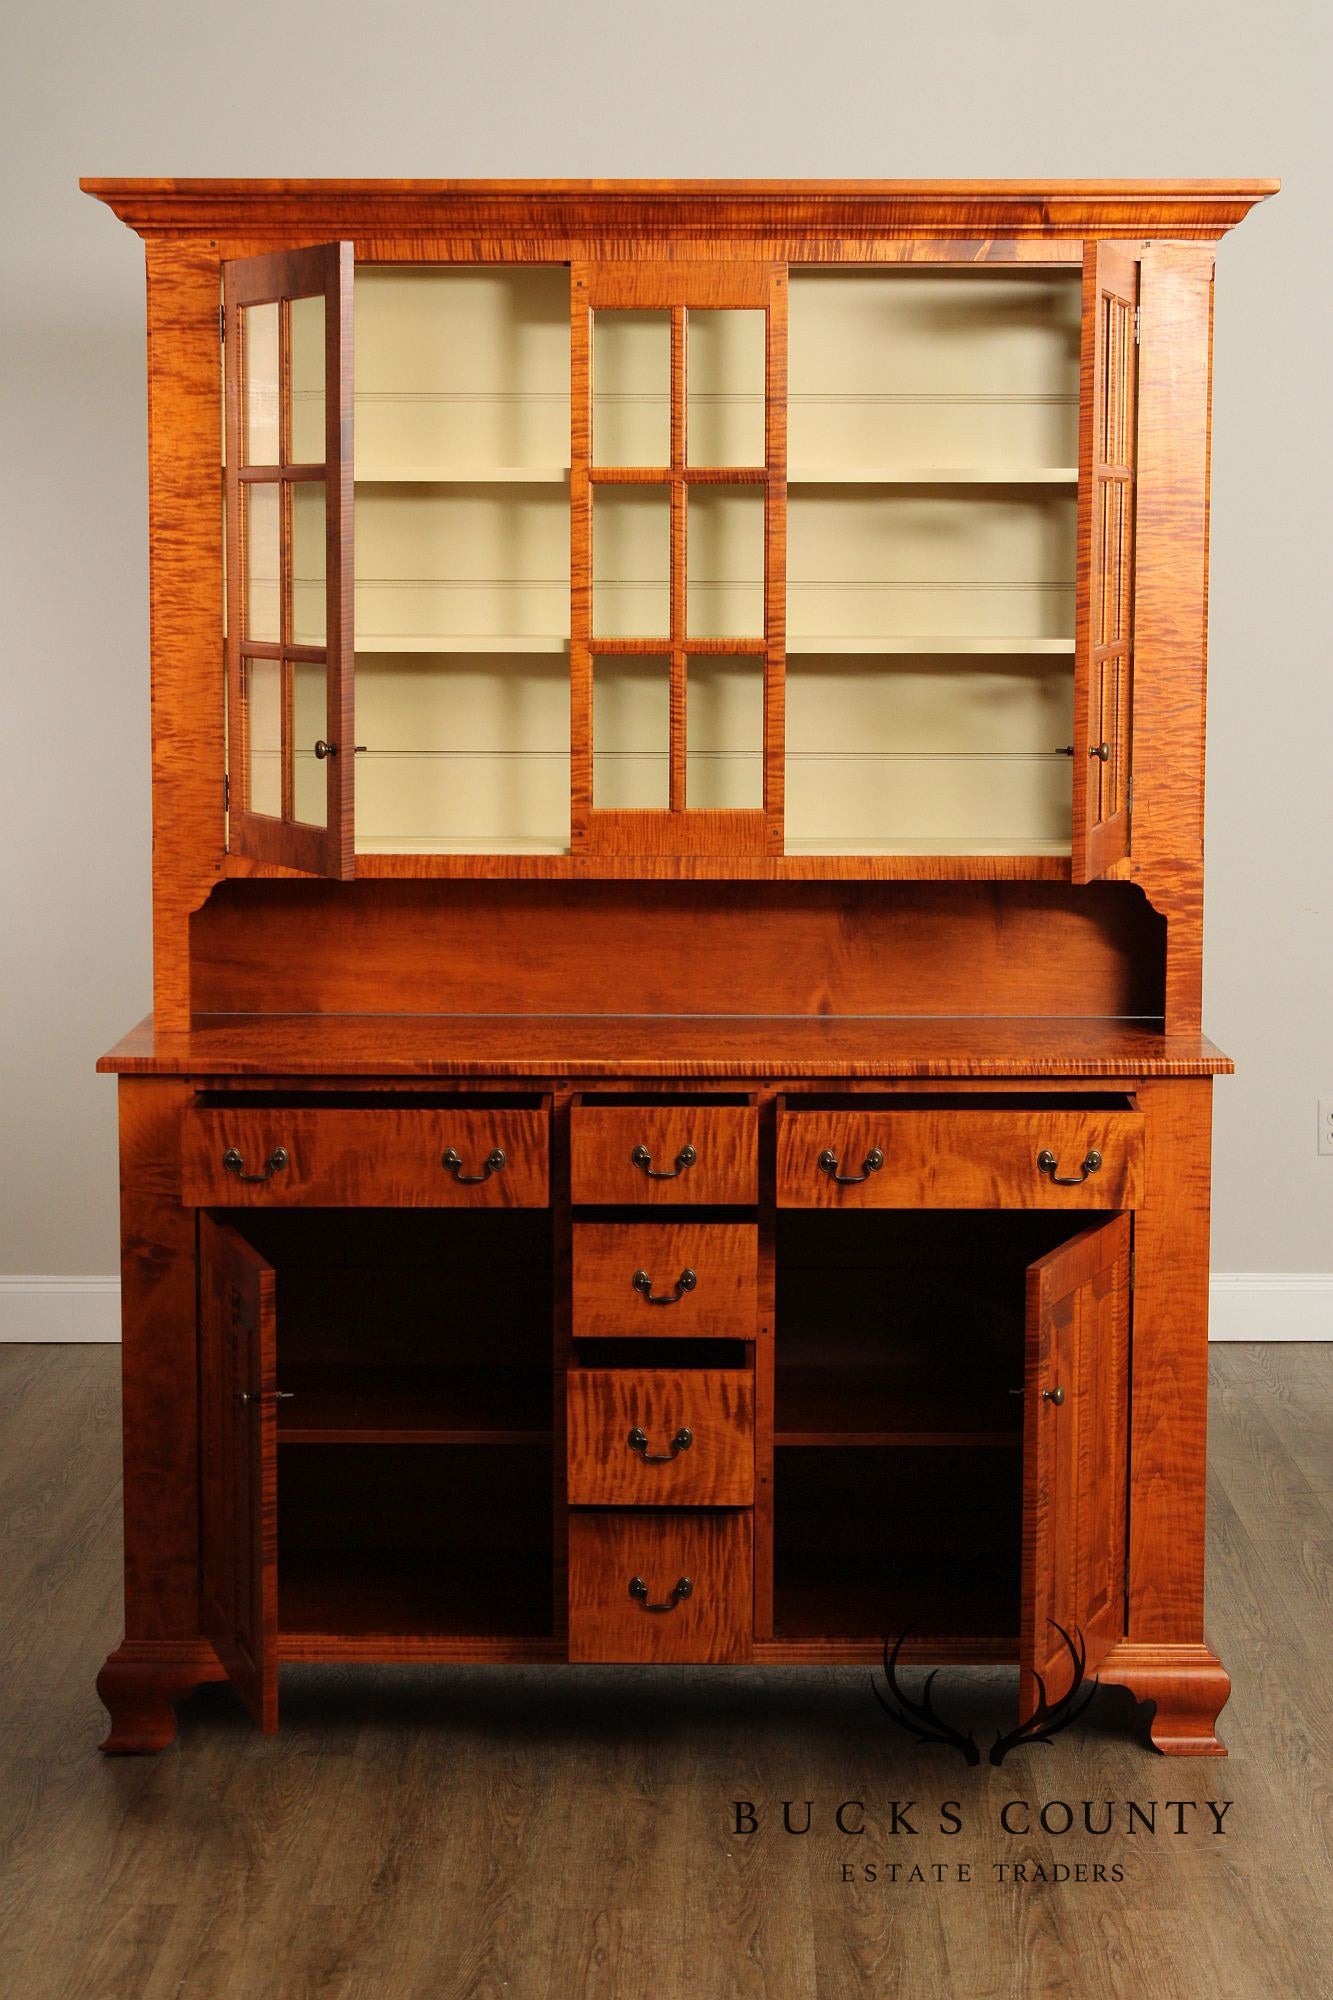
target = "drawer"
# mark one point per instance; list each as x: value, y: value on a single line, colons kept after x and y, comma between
x: 661, y: 1437
x: 959, y: 1158
x: 404, y: 1156
x: 695, y: 1567
x: 659, y: 1279
x: 663, y: 1152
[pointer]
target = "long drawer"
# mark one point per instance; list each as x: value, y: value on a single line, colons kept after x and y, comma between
x: 849, y: 1157
x: 661, y: 1437
x: 661, y: 1584
x: 660, y: 1152
x: 659, y: 1279
x: 247, y: 1156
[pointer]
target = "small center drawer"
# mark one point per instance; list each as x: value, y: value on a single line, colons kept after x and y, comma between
x: 854, y: 1156
x: 663, y: 1585
x: 669, y: 1151
x: 661, y: 1437
x: 409, y: 1154
x: 665, y: 1279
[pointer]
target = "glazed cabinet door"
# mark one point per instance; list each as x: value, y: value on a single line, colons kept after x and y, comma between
x: 1104, y: 643
x: 677, y: 607
x: 238, y: 1446
x: 1074, y: 1456
x: 287, y: 332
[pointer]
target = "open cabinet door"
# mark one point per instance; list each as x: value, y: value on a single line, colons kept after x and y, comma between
x: 1104, y: 656
x: 287, y: 334
x: 238, y: 1448
x: 1075, y: 1456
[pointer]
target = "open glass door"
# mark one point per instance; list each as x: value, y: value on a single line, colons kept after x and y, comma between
x: 238, y: 1442
x: 290, y: 663
x: 1074, y: 1456
x: 1104, y: 657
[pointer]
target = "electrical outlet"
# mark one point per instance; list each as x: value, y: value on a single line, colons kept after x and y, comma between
x: 1326, y: 1125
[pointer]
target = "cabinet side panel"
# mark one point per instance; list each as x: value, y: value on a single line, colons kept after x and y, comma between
x: 185, y: 580
x: 158, y: 1368
x: 1171, y: 603
x: 1169, y: 1398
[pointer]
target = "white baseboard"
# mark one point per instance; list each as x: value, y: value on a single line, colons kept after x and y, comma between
x: 1245, y: 1305
x: 1270, y: 1305
x: 59, y: 1309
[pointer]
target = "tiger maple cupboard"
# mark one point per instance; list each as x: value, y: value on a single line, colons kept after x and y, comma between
x: 675, y: 1125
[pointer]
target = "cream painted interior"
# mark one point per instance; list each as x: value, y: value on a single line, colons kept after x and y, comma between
x: 931, y: 551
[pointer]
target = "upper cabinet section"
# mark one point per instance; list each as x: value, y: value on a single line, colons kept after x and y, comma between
x: 776, y: 530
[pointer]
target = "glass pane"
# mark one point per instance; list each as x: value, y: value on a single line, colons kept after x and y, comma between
x: 724, y: 732
x: 725, y: 543
x: 631, y: 733
x: 262, y: 563
x: 309, y: 547
x: 631, y: 388
x: 264, y: 735
x: 310, y: 796
x: 631, y: 562
x: 725, y: 374
x: 308, y: 381
x: 260, y: 349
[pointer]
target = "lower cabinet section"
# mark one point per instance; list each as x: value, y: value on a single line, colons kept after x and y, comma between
x: 660, y: 1585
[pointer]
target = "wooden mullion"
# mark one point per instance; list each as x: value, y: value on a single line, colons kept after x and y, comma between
x: 271, y: 649
x: 630, y: 475
x: 679, y: 563
x: 651, y: 648
x: 288, y: 739
x: 775, y: 566
x: 260, y: 475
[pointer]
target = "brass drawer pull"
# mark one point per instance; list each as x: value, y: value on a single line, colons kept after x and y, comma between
x: 641, y: 1157
x: 686, y: 1282
x: 828, y: 1163
x: 234, y: 1163
x: 638, y: 1441
x: 1047, y: 1164
x: 495, y: 1163
x: 638, y: 1588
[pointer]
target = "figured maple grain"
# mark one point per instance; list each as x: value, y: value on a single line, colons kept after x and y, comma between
x: 604, y: 1138
x: 959, y: 1159
x: 607, y: 1256
x: 629, y: 1049
x: 661, y: 1545
x: 364, y: 1159
x: 674, y: 949
x: 1187, y: 1685
x: 716, y: 1406
x: 1074, y: 1455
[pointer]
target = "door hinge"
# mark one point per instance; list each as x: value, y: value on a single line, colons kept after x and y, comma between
x: 1132, y: 1255
x: 1136, y: 326
x: 1129, y: 805
x: 222, y: 324
x: 226, y: 791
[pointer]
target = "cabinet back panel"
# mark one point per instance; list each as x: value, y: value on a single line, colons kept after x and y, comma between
x: 977, y: 950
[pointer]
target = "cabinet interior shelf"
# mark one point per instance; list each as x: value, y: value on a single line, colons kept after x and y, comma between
x: 482, y: 1405
x: 932, y: 475
x: 461, y: 642
x: 899, y: 1406
x: 463, y: 475
x: 921, y: 642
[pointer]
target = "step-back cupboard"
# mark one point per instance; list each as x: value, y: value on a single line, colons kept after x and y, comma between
x: 675, y: 1123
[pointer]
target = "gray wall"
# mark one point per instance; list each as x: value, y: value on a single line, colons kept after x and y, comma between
x: 526, y: 87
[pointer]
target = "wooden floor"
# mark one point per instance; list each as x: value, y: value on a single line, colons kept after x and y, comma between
x: 536, y: 1834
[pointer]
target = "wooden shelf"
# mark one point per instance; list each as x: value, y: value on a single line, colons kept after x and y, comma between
x: 493, y: 1405
x: 367, y: 1594
x: 463, y: 475
x: 461, y: 642
x: 819, y: 1405
x: 932, y: 475
x: 924, y: 642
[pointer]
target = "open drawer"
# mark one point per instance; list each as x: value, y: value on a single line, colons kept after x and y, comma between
x: 959, y: 1151
x: 366, y: 1150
